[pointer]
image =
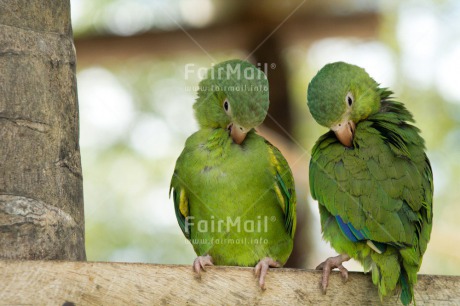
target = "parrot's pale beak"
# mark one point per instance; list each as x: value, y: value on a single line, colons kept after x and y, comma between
x: 238, y: 133
x: 344, y: 132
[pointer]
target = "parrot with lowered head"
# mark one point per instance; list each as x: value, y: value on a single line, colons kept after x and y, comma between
x: 233, y: 191
x: 372, y: 179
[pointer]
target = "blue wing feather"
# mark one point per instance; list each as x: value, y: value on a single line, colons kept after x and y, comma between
x: 345, y: 227
x: 356, y: 235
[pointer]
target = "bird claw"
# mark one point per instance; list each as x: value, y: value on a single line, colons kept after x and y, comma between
x: 261, y: 269
x: 328, y: 265
x: 200, y: 262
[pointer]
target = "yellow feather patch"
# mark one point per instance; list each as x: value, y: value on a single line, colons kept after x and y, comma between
x: 274, y: 160
x: 183, y: 203
x: 280, y: 198
x: 276, y: 168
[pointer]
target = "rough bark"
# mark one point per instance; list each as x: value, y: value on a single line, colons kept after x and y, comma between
x: 41, y: 195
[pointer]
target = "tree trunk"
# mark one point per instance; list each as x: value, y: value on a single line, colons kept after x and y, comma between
x: 41, y: 193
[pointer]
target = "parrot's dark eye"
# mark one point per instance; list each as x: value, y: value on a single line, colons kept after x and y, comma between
x: 226, y: 105
x: 349, y: 99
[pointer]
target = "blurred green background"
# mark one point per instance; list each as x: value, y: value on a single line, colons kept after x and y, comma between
x: 136, y: 104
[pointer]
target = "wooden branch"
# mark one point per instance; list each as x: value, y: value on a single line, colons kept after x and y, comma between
x: 234, y: 35
x: 95, y: 283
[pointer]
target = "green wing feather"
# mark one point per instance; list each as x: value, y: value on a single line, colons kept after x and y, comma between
x: 284, y: 186
x: 180, y: 204
x: 180, y: 196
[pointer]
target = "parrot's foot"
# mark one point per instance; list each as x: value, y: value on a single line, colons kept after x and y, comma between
x: 331, y: 263
x: 261, y: 269
x: 200, y: 262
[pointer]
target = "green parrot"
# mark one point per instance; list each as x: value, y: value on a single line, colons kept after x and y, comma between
x: 233, y: 191
x: 371, y: 177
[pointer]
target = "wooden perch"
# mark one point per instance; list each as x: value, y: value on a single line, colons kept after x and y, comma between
x: 96, y: 283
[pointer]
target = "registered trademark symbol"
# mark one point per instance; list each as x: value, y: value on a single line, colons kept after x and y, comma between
x: 273, y: 66
x: 272, y: 218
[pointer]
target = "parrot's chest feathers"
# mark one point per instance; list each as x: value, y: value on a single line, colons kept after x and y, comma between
x: 222, y: 159
x: 228, y: 160
x: 212, y: 172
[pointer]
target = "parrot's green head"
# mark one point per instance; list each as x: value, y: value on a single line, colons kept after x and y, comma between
x: 340, y: 96
x: 233, y: 96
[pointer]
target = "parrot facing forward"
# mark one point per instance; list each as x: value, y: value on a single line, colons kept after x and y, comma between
x: 233, y: 191
x: 371, y: 177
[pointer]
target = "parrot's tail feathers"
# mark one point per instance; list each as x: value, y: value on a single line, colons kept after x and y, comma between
x: 386, y: 271
x: 377, y: 280
x: 407, y: 291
